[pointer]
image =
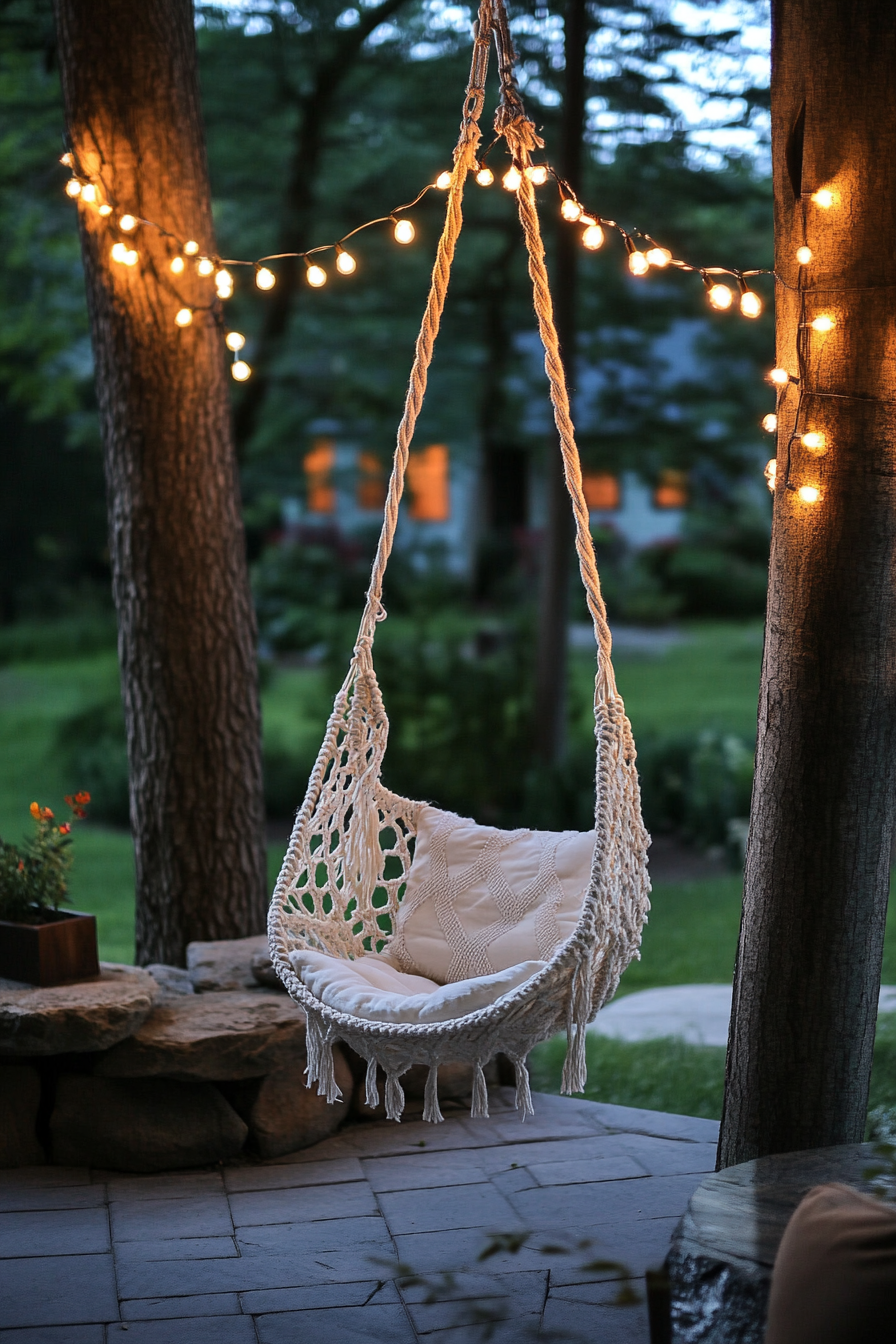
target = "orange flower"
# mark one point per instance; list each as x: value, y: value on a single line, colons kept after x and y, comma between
x: 82, y: 798
x: 35, y: 811
x: 69, y: 800
x: 21, y: 865
x: 65, y: 828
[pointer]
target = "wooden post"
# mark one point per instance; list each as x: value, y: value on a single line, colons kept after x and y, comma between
x: 817, y: 870
x: 186, y: 626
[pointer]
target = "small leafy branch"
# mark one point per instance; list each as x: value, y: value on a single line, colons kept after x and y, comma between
x: 34, y: 876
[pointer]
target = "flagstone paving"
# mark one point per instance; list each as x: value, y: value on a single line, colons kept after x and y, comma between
x: 320, y: 1245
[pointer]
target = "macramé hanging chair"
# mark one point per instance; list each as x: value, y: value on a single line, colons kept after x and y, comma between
x: 411, y: 934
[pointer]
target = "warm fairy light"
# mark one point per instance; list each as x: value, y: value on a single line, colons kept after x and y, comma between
x: 67, y: 159
x: 512, y: 179
x: 127, y: 223
x: 823, y: 323
x: 809, y: 494
x: 316, y: 276
x: 814, y: 440
x: 771, y: 473
x: 234, y: 340
x: 485, y: 177
x: 750, y: 303
x: 720, y: 296
x: 119, y: 252
x: 570, y: 209
x: 191, y: 248
x: 404, y: 231
x: 824, y: 198
x: 658, y: 256
x: 130, y: 257
x: 104, y: 209
x: 804, y: 255
x: 770, y: 422
x: 638, y: 263
x: 537, y: 174
x: 223, y: 283
x: 593, y: 237
x: 240, y: 370
x: 264, y: 278
x: 779, y: 377
x: 177, y: 265
x: 345, y: 262
x: 73, y: 187
x: 88, y: 193
x: 443, y: 181
x: 205, y: 266
x: 183, y: 317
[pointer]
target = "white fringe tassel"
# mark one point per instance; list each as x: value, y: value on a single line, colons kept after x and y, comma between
x: 523, y: 1094
x: 394, y: 1097
x: 575, y: 1067
x: 431, y: 1110
x: 479, y: 1109
x: 313, y: 1039
x: 371, y: 1090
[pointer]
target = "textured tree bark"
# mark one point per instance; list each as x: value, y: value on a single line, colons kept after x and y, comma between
x: 186, y: 626
x: 553, y: 617
x: 817, y: 870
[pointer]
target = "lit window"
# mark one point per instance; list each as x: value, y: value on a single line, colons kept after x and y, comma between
x: 318, y: 465
x: 428, y: 484
x: 672, y: 490
x: 601, y: 490
x: 371, y: 489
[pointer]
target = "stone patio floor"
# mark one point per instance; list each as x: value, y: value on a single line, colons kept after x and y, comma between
x: 307, y: 1248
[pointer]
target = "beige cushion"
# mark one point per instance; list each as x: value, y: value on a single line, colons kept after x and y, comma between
x: 370, y: 987
x: 480, y: 900
x: 834, y: 1280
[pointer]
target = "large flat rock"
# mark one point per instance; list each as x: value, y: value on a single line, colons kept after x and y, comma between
x: 226, y: 964
x: 92, y: 1015
x: 218, y: 1036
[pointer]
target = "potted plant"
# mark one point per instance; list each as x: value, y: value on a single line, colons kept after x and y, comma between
x: 39, y: 943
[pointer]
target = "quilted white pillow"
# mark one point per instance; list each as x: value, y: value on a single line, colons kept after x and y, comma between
x: 479, y: 900
x: 370, y: 987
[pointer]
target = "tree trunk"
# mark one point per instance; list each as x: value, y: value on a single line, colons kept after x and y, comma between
x: 553, y: 616
x: 186, y: 627
x: 817, y: 871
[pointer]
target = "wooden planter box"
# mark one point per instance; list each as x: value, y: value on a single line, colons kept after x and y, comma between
x: 57, y: 952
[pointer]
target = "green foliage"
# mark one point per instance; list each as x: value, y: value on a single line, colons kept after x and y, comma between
x: 34, y: 876
x: 695, y: 784
x: 91, y: 746
x: 36, y: 641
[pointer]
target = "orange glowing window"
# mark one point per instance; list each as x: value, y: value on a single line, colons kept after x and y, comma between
x: 601, y: 490
x: 428, y: 484
x: 318, y: 466
x: 370, y: 492
x: 672, y: 490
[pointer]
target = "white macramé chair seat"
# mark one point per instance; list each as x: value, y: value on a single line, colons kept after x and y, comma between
x: 416, y: 936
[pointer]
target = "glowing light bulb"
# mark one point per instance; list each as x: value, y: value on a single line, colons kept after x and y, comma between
x: 511, y: 179
x: 127, y: 223
x: 779, y: 377
x: 823, y: 323
x: 824, y: 198
x: 809, y: 494
x: 88, y: 193
x: 73, y: 187
x: 814, y: 440
x: 658, y: 256
x: 130, y: 257
x: 205, y: 266
x: 177, y: 265
x: 638, y: 263
x: 804, y: 255
x: 104, y: 209
x: 485, y: 177
x: 720, y: 297
x: 750, y: 303
x: 240, y: 370
x: 570, y: 210
x: 183, y: 317
x: 119, y: 252
x: 771, y: 473
x: 404, y: 231
x: 345, y: 262
x: 67, y: 159
x: 593, y: 237
x: 191, y: 248
x: 537, y: 174
x: 443, y: 181
x: 316, y: 276
x: 264, y: 278
x: 234, y: 340
x: 223, y: 283
x: 770, y: 423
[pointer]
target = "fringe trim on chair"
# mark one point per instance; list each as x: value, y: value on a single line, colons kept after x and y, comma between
x: 431, y: 1110
x: 523, y: 1094
x: 575, y: 1068
x: 371, y: 1089
x: 394, y: 1097
x: 479, y: 1108
x: 313, y: 1040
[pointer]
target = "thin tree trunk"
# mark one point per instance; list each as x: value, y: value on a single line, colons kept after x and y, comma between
x: 186, y: 627
x: 817, y: 871
x: 553, y: 617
